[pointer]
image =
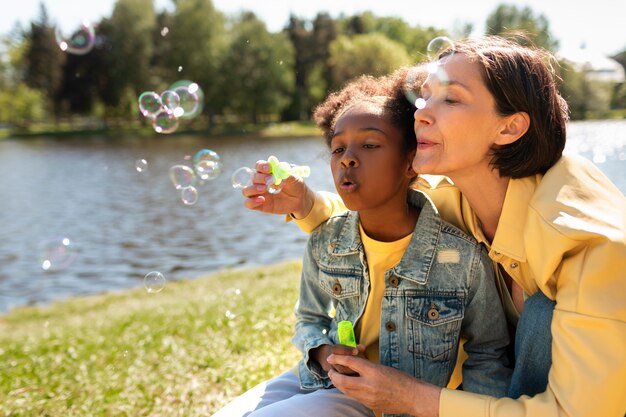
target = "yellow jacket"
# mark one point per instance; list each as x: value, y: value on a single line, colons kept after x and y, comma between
x: 563, y: 233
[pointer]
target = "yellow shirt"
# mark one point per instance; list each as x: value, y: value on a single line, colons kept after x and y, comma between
x: 564, y: 234
x: 380, y: 256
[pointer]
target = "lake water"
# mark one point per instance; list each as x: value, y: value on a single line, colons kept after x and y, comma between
x: 122, y: 224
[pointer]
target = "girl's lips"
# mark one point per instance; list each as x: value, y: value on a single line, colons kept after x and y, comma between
x: 347, y: 185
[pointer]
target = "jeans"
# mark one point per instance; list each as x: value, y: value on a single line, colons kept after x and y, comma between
x: 533, y: 347
x: 283, y: 397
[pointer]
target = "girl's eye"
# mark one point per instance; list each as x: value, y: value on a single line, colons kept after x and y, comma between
x: 337, y: 150
x: 370, y: 146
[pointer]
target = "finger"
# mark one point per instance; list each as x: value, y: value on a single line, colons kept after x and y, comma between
x: 355, y: 363
x: 262, y: 166
x: 254, y: 203
x: 253, y: 190
x: 259, y: 178
x: 345, y: 383
x: 344, y: 350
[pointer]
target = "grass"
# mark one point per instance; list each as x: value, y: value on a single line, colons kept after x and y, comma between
x: 184, y: 351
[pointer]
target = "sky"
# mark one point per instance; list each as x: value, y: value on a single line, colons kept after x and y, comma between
x: 598, y: 24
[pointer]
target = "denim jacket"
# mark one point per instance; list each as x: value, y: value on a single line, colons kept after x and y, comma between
x: 442, y: 288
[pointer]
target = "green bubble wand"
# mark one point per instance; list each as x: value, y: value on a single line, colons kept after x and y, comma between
x: 345, y: 331
x: 282, y: 170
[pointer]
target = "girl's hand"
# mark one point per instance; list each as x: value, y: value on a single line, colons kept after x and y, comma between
x: 295, y: 198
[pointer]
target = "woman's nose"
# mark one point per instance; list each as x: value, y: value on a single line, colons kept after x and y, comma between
x: 422, y: 115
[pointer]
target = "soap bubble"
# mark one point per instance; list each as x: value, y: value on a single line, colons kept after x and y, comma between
x: 79, y: 42
x: 189, y: 195
x: 242, y: 177
x: 413, y: 83
x: 182, y: 176
x: 170, y: 99
x: 191, y: 98
x: 165, y: 122
x: 208, y: 164
x: 149, y: 103
x: 437, y: 46
x: 141, y: 165
x: 57, y: 253
x: 154, y: 282
x: 272, y: 187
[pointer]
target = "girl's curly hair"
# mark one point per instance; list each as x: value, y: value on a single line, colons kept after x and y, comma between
x: 397, y: 90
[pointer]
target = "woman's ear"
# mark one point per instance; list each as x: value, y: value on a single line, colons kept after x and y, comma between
x: 515, y: 126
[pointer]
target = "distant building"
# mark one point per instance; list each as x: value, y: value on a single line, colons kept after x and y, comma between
x: 597, y: 66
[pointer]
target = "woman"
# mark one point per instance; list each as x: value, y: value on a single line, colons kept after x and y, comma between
x: 494, y: 125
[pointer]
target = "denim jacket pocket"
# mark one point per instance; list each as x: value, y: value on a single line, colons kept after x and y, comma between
x: 434, y: 320
x: 344, y: 288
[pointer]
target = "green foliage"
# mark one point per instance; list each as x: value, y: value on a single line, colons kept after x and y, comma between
x: 256, y: 75
x: 195, y: 43
x: 587, y: 98
x: 185, y: 351
x: 372, y: 54
x: 508, y: 20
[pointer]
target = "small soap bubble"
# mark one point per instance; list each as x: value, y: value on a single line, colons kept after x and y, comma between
x: 180, y: 68
x: 412, y: 84
x: 154, y: 282
x: 189, y: 195
x: 182, y: 176
x: 420, y: 103
x: 272, y: 187
x: 141, y: 165
x: 191, y: 98
x: 165, y: 31
x: 79, y: 42
x: 208, y: 164
x: 57, y: 253
x: 437, y: 46
x: 170, y: 99
x: 149, y: 103
x: 165, y: 122
x: 242, y: 177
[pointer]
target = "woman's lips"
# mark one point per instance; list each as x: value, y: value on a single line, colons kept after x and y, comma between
x: 425, y: 143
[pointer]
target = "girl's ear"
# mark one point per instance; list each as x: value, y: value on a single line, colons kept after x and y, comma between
x: 515, y: 126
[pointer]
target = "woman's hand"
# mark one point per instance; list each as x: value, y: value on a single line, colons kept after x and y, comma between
x: 385, y: 389
x: 295, y: 198
x: 321, y: 353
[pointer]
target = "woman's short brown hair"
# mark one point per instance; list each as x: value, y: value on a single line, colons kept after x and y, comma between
x: 522, y: 79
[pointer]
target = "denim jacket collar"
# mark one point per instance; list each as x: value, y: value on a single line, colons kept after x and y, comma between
x: 420, y: 253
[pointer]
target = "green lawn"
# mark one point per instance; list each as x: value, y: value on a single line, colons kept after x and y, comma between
x: 184, y: 351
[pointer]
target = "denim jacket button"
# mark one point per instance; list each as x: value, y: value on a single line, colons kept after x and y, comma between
x: 514, y: 265
x: 433, y: 312
x: 390, y: 326
x: 336, y: 288
x: 394, y: 281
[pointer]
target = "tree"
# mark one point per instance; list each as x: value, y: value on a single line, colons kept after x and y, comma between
x: 256, y: 74
x: 372, y: 54
x: 301, y: 39
x: 126, y: 45
x: 507, y: 20
x: 44, y: 61
x: 197, y: 42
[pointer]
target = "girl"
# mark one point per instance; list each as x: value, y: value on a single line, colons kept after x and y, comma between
x: 412, y: 289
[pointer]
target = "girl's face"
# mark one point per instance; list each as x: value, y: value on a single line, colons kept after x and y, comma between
x: 370, y: 165
x: 459, y: 124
